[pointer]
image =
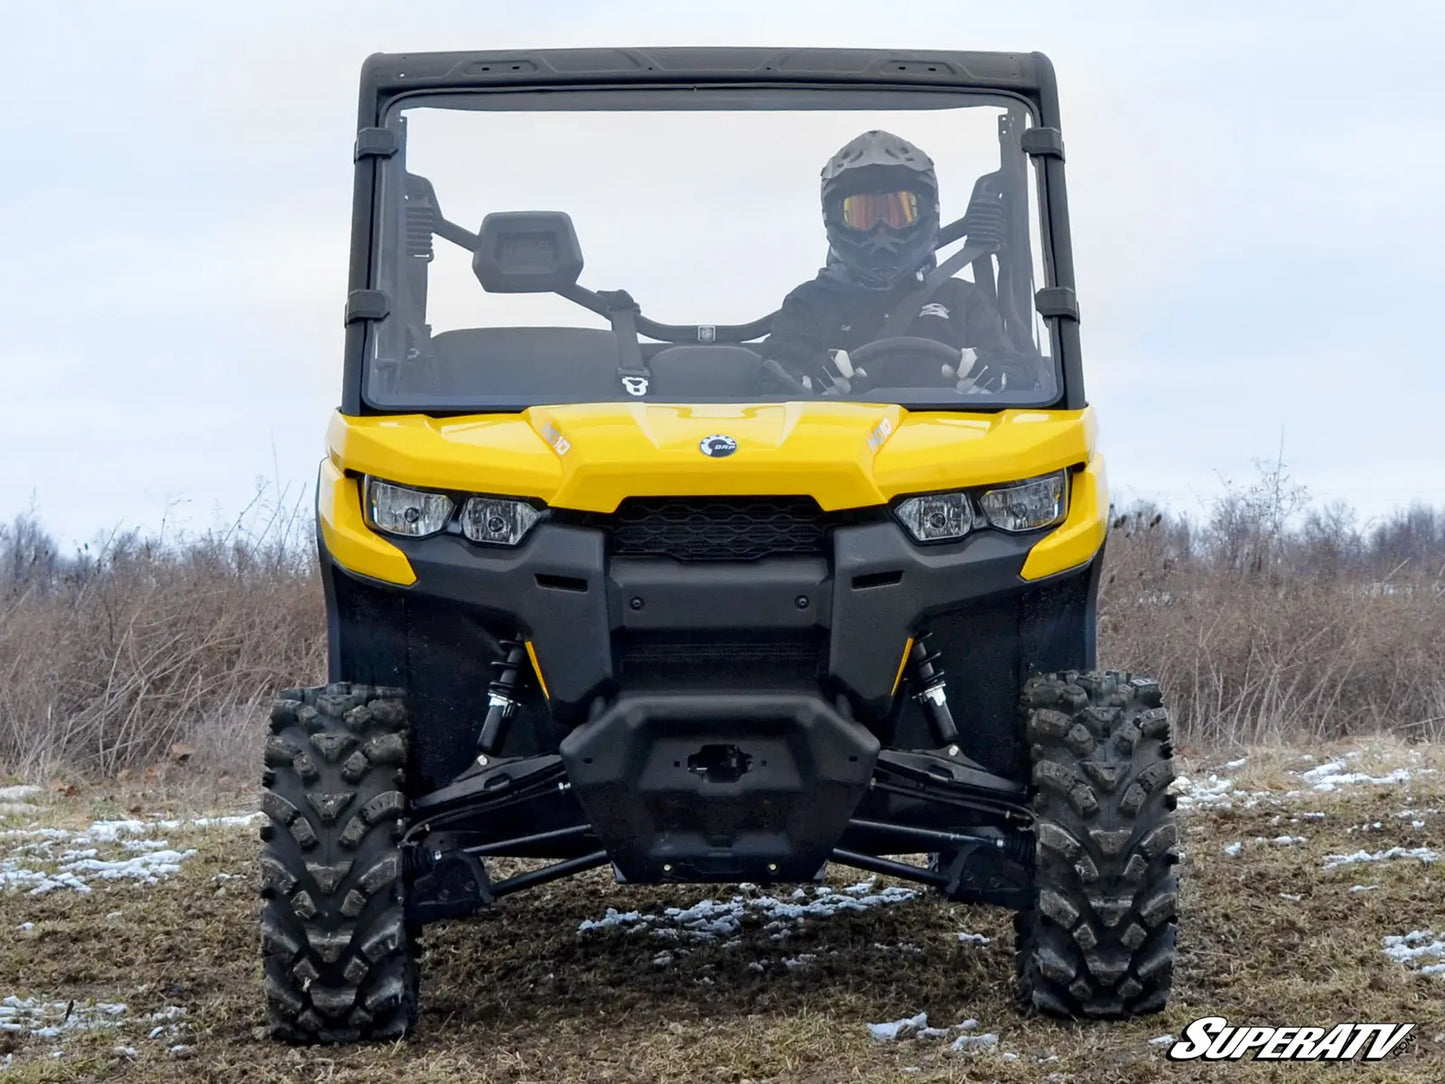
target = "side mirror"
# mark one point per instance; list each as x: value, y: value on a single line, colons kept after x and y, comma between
x: 527, y: 252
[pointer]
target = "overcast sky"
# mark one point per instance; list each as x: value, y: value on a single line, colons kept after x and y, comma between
x: 1255, y: 192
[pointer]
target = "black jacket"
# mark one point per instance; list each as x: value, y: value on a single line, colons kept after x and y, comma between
x: 830, y: 313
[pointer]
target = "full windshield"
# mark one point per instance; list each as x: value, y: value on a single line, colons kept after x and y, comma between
x: 708, y: 246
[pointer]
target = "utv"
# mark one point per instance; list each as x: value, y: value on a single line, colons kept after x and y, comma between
x: 609, y: 592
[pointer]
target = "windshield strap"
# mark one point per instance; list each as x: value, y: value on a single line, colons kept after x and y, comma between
x: 622, y: 313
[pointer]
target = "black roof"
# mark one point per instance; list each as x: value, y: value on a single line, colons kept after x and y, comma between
x: 385, y: 75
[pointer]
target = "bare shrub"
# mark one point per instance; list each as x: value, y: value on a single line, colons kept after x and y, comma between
x: 110, y: 659
x: 1272, y: 622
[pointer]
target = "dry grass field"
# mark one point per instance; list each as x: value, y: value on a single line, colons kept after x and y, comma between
x: 129, y: 952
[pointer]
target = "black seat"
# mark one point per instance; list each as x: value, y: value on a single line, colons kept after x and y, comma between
x: 704, y: 372
x: 563, y: 364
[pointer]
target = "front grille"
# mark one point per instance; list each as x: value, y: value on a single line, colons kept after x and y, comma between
x: 718, y: 528
x: 676, y: 659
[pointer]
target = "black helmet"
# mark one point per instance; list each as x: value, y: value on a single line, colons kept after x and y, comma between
x: 880, y: 207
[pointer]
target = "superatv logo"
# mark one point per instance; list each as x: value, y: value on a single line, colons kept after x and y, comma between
x: 1214, y: 1039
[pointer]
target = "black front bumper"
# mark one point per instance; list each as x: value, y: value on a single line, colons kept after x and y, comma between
x: 701, y: 787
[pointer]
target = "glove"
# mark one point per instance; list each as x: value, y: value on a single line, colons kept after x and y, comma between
x: 838, y: 374
x: 997, y: 373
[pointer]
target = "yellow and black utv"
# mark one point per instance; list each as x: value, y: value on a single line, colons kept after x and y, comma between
x: 607, y: 591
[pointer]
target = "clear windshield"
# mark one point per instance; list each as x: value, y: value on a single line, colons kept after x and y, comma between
x: 705, y: 208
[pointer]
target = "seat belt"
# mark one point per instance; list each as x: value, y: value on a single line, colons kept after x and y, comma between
x: 622, y: 313
x: 909, y: 305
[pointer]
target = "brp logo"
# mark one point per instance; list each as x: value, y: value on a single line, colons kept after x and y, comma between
x: 717, y: 446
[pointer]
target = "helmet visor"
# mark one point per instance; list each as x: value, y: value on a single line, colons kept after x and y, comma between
x: 896, y: 210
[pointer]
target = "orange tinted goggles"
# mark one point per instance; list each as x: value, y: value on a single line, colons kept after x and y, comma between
x: 868, y: 209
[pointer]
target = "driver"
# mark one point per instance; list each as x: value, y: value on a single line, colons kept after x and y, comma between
x: 880, y: 211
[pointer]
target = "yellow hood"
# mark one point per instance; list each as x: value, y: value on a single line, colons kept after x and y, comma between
x: 590, y: 457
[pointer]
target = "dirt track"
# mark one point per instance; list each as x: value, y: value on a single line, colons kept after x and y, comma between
x: 521, y: 994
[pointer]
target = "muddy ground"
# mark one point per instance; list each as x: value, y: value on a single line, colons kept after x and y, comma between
x: 159, y: 980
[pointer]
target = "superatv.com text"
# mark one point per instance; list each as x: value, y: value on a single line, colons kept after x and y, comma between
x: 1214, y: 1039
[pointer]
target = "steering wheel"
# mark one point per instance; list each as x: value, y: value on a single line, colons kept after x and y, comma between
x: 904, y: 361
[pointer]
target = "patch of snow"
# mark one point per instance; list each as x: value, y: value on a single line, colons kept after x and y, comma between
x: 18, y: 809
x: 888, y: 1032
x: 1331, y: 776
x: 1286, y: 841
x: 975, y: 1042
x: 25, y: 927
x: 1423, y: 950
x: 1363, y: 888
x: 1290, y: 896
x: 612, y: 919
x: 1240, y: 763
x: 109, y: 831
x: 712, y: 920
x: 862, y: 888
x: 13, y: 875
x: 1233, y: 849
x: 1312, y: 816
x: 800, y: 960
x: 975, y: 939
x: 144, y: 844
x: 52, y: 1019
x: 18, y: 793
x: 239, y: 820
x: 147, y: 867
x: 1191, y: 793
x: 1424, y: 854
x: 1161, y: 1040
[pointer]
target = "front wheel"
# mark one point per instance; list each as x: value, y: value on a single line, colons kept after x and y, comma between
x: 339, y: 954
x: 1100, y: 939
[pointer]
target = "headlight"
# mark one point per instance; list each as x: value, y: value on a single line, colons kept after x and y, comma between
x: 411, y: 513
x: 938, y: 517
x: 497, y: 520
x: 1026, y: 506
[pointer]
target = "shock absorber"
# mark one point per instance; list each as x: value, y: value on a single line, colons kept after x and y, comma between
x: 932, y: 690
x: 501, y: 695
